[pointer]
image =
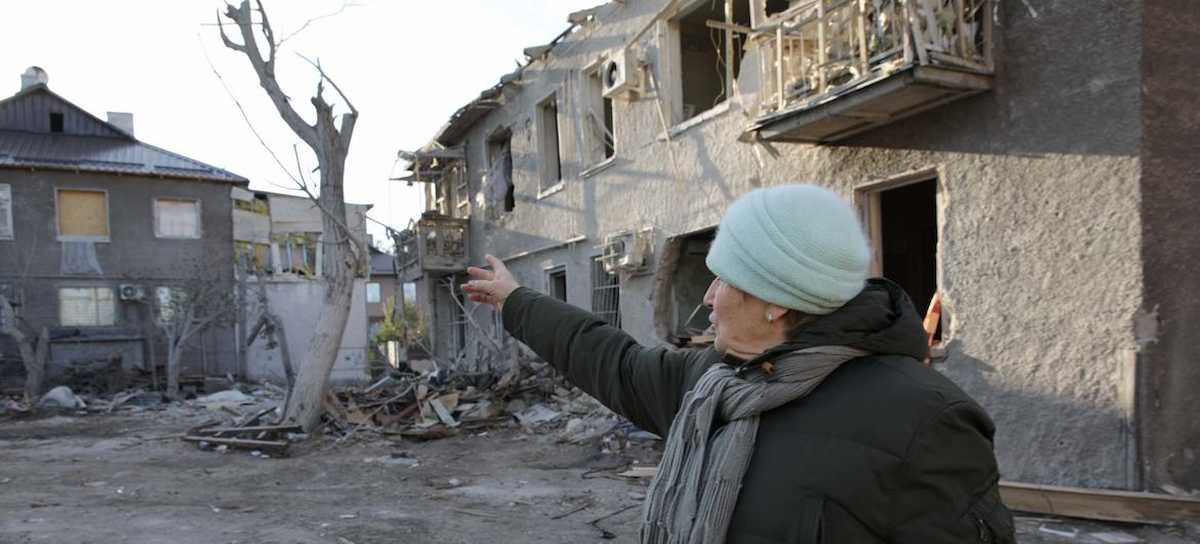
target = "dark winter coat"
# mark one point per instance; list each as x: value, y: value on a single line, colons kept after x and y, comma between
x: 885, y: 450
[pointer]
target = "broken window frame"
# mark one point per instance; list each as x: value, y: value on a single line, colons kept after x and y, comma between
x: 499, y: 146
x: 600, y: 119
x: 674, y: 76
x: 159, y: 225
x: 309, y: 249
x: 254, y: 258
x: 58, y: 216
x: 6, y: 212
x: 550, y: 274
x: 606, y: 293
x: 868, y: 202
x: 550, y: 174
x: 104, y: 311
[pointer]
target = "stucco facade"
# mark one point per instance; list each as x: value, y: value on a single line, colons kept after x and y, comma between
x: 1061, y: 289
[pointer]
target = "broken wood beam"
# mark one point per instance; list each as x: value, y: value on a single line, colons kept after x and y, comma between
x: 260, y: 428
x: 1099, y: 504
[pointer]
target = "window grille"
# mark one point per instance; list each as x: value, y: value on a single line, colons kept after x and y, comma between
x: 606, y: 294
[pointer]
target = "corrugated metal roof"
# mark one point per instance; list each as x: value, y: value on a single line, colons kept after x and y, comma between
x: 102, y: 154
x: 86, y: 143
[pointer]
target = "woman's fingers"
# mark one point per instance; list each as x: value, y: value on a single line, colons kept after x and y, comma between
x: 481, y: 274
x: 496, y: 264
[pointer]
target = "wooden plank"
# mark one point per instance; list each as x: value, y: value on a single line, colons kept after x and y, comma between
x: 270, y: 446
x: 1099, y: 504
x: 252, y: 429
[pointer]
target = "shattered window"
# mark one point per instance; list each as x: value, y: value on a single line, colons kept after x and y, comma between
x: 599, y: 120
x: 86, y: 307
x: 174, y: 218
x: 708, y: 60
x: 548, y: 134
x: 298, y: 253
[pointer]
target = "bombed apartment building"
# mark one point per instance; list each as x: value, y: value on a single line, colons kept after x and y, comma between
x: 98, y: 232
x: 1024, y: 164
x: 279, y: 241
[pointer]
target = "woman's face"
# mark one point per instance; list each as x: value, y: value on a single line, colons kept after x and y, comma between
x: 740, y: 321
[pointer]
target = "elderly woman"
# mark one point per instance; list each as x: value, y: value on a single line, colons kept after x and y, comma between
x: 811, y: 419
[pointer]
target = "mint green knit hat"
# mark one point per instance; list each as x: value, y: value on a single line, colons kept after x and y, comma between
x: 796, y: 246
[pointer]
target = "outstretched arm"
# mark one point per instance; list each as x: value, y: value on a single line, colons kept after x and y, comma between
x: 643, y: 384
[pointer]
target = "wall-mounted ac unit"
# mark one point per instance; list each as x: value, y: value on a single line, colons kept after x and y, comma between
x: 129, y: 292
x: 627, y: 251
x: 621, y: 74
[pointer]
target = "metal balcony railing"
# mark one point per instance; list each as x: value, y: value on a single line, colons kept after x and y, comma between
x: 435, y: 243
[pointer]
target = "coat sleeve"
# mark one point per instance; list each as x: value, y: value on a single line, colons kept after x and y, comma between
x: 646, y: 385
x: 949, y: 491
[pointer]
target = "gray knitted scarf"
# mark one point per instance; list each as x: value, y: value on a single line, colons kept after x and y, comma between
x: 691, y: 500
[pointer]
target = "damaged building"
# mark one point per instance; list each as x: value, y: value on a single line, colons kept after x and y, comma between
x: 95, y: 225
x: 1028, y: 167
x: 279, y: 240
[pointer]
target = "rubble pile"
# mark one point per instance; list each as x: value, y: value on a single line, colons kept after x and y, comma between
x: 439, y: 403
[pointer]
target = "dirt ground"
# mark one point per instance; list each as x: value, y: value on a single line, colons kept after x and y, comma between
x: 127, y: 478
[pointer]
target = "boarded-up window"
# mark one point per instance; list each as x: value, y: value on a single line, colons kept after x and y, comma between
x: 6, y: 222
x: 86, y: 306
x: 82, y: 215
x: 176, y: 218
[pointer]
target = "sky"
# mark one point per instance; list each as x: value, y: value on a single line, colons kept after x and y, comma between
x: 407, y: 65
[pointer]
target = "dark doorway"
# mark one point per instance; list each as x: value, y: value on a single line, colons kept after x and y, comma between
x: 908, y: 224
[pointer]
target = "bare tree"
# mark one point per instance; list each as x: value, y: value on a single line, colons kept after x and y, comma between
x: 345, y: 255
x: 187, y: 309
x: 34, y: 347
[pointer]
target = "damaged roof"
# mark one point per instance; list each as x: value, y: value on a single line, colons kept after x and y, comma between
x: 85, y: 143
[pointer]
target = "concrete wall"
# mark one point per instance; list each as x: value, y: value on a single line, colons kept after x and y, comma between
x: 298, y: 305
x: 1170, y: 204
x: 1040, y: 236
x: 133, y: 255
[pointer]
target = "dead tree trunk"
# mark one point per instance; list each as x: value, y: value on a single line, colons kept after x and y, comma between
x: 34, y: 349
x: 341, y: 260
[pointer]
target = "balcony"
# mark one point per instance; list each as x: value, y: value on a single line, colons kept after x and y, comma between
x: 834, y: 68
x: 435, y: 244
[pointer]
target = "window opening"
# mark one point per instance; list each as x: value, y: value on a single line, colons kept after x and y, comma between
x: 689, y: 284
x: 704, y: 53
x: 82, y: 215
x: 56, y: 122
x: 606, y: 294
x: 253, y: 258
x: 599, y: 119
x: 776, y: 6
x: 86, y: 307
x: 174, y: 218
x: 374, y: 293
x: 556, y: 283
x: 6, y: 220
x: 548, y: 125
x: 500, y: 169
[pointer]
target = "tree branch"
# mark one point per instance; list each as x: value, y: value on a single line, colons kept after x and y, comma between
x: 265, y: 69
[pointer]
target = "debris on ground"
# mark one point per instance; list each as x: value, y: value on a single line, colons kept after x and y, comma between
x: 61, y: 398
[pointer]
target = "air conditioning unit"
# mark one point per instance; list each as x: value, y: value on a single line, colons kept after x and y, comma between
x: 621, y: 74
x: 131, y: 293
x: 628, y: 251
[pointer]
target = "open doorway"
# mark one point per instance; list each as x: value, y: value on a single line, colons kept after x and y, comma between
x: 902, y: 220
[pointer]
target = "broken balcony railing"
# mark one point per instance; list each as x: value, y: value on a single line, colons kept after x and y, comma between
x: 834, y: 68
x: 435, y: 243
